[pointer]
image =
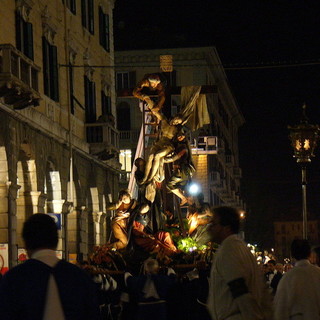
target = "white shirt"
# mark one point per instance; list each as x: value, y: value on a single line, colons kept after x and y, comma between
x: 53, y: 308
x: 298, y: 293
x: 232, y: 261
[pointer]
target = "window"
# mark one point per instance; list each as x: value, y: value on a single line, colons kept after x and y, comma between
x: 24, y: 36
x: 171, y: 78
x: 126, y: 80
x: 71, y: 85
x: 125, y: 158
x: 87, y: 15
x: 105, y: 104
x: 50, y: 70
x: 71, y: 5
x: 90, y: 100
x: 104, y: 30
x: 123, y: 116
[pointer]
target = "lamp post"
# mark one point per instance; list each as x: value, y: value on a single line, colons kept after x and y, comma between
x: 304, y: 137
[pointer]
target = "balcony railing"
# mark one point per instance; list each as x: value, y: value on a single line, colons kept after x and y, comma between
x: 130, y: 135
x: 204, y: 145
x: 18, y: 78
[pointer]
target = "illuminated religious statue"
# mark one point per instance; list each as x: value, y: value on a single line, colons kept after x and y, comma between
x: 162, y: 147
x: 183, y: 167
x: 154, y: 82
x: 193, y: 113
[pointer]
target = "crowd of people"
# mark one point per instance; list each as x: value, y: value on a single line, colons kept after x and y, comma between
x: 233, y: 286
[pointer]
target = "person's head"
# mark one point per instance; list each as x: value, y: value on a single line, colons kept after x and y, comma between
x: 176, y: 120
x: 316, y: 256
x: 181, y: 136
x: 40, y: 232
x: 271, y: 265
x: 154, y: 80
x: 144, y: 208
x: 151, y: 266
x: 139, y: 163
x: 225, y: 222
x: 124, y: 196
x: 300, y: 249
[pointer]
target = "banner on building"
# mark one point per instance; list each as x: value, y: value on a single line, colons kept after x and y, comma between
x: 4, y: 258
x: 166, y: 63
x: 57, y: 219
x: 22, y: 255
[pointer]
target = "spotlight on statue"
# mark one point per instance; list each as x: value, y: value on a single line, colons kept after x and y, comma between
x: 194, y: 189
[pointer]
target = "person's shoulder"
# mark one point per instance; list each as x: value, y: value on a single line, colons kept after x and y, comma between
x: 25, y: 269
x: 233, y: 241
x: 68, y: 266
x: 70, y: 271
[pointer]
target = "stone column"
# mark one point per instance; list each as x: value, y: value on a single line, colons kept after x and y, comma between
x: 97, y: 227
x: 4, y: 213
x: 12, y: 223
x: 83, y: 231
x: 103, y: 228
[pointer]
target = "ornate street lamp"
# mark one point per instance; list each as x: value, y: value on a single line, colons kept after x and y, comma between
x: 304, y: 137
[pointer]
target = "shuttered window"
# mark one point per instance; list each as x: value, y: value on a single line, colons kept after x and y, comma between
x: 126, y: 80
x: 105, y: 104
x: 87, y: 12
x: 104, y: 31
x: 24, y: 36
x: 50, y: 70
x: 90, y: 100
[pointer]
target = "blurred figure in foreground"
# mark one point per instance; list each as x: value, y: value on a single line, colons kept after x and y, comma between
x: 298, y: 297
x: 44, y: 287
x: 237, y: 290
x: 151, y: 290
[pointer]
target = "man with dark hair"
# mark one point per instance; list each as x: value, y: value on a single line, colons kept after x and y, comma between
x: 238, y: 290
x: 273, y: 276
x: 44, y: 287
x: 298, y: 295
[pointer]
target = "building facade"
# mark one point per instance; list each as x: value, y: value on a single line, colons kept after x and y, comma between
x: 215, y: 146
x: 58, y: 142
x: 286, y: 231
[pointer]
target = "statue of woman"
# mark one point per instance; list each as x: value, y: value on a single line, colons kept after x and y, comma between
x: 119, y: 223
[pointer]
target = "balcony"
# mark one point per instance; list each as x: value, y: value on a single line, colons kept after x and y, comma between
x: 18, y: 78
x: 129, y: 138
x: 103, y: 139
x: 204, y: 145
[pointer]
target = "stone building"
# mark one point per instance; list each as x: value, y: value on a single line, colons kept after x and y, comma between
x: 58, y: 142
x: 285, y: 231
x: 215, y: 146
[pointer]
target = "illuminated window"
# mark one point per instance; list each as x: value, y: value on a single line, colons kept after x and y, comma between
x: 125, y: 160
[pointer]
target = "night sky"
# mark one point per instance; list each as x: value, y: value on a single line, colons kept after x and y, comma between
x: 249, y: 34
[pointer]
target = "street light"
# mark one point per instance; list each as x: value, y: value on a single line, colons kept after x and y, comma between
x: 304, y: 137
